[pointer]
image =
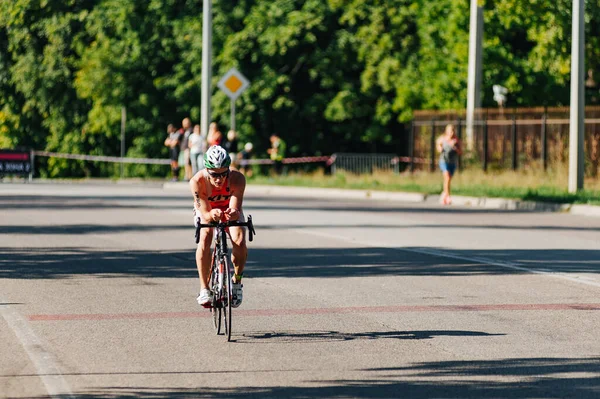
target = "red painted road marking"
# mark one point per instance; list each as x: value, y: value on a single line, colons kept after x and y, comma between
x: 313, y: 311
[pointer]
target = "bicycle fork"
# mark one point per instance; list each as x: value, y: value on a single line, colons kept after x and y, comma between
x: 220, y: 270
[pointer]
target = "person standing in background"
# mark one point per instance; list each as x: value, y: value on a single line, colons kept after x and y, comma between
x: 231, y: 146
x: 197, y: 144
x: 277, y: 153
x: 185, y: 148
x: 173, y: 142
x: 448, y: 145
x: 245, y: 155
x: 214, y: 137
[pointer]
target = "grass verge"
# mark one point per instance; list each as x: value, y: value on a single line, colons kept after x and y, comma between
x: 524, y: 185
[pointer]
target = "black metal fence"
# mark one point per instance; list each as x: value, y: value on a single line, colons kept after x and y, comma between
x: 507, y: 139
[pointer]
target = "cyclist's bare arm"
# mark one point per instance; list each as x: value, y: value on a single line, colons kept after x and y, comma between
x: 238, y: 186
x: 201, y: 204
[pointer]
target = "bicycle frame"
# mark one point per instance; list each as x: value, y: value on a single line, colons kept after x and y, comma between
x: 220, y: 257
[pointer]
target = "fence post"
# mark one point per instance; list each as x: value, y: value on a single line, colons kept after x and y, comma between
x: 485, y: 145
x: 513, y: 140
x: 459, y: 135
x: 544, y: 142
x: 411, y: 146
x: 432, y: 160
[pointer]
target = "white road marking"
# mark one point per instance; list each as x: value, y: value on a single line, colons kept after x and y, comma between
x: 437, y: 252
x: 43, y: 361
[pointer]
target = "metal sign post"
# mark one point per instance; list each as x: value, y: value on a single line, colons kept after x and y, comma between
x: 232, y: 115
x: 233, y: 83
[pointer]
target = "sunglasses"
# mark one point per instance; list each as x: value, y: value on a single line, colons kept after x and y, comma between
x: 217, y: 175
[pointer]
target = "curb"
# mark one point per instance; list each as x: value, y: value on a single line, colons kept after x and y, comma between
x: 586, y: 210
x: 510, y: 204
x: 335, y: 193
x: 473, y: 202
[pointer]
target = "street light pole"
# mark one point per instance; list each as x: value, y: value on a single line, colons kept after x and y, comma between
x: 577, y: 115
x: 206, y: 65
x: 474, y: 72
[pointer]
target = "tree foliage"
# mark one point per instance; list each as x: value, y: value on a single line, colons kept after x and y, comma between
x: 336, y: 75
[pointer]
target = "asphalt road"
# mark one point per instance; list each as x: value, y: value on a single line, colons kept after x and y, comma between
x: 343, y: 298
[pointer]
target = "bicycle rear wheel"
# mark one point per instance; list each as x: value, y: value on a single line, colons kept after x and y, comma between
x: 227, y: 286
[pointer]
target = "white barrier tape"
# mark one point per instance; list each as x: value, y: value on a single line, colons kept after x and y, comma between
x: 327, y: 159
x: 396, y: 160
x: 306, y: 159
x: 245, y: 162
x: 103, y: 158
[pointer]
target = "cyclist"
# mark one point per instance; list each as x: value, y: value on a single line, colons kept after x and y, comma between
x: 218, y: 194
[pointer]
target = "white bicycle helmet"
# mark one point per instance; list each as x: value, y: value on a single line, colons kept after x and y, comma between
x: 216, y: 157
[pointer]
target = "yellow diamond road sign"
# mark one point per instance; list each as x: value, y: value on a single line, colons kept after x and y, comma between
x: 233, y: 83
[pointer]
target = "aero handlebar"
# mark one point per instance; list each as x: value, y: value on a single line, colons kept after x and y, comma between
x: 231, y: 223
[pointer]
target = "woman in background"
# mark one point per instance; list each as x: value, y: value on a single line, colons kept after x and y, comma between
x: 448, y: 145
x: 215, y: 137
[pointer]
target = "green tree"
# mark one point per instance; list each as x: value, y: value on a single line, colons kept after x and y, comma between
x: 341, y: 75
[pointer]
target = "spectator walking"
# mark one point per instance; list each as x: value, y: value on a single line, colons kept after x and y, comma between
x: 173, y: 141
x: 185, y: 148
x: 448, y: 145
x: 197, y: 144
x: 277, y: 153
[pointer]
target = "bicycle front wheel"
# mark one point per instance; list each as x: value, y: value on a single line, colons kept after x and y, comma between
x: 227, y: 286
x: 214, y: 287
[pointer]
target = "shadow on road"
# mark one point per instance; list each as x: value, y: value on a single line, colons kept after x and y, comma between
x: 353, y: 262
x: 52, y: 202
x: 523, y: 378
x: 25, y: 263
x: 81, y: 229
x: 70, y: 262
x: 325, y: 336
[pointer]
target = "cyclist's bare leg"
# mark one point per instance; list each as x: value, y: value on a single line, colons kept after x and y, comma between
x: 203, y: 256
x: 239, y: 250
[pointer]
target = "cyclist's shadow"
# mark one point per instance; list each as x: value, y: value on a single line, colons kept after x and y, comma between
x: 324, y: 336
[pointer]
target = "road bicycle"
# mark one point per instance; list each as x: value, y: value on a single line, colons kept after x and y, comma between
x: 221, y: 272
